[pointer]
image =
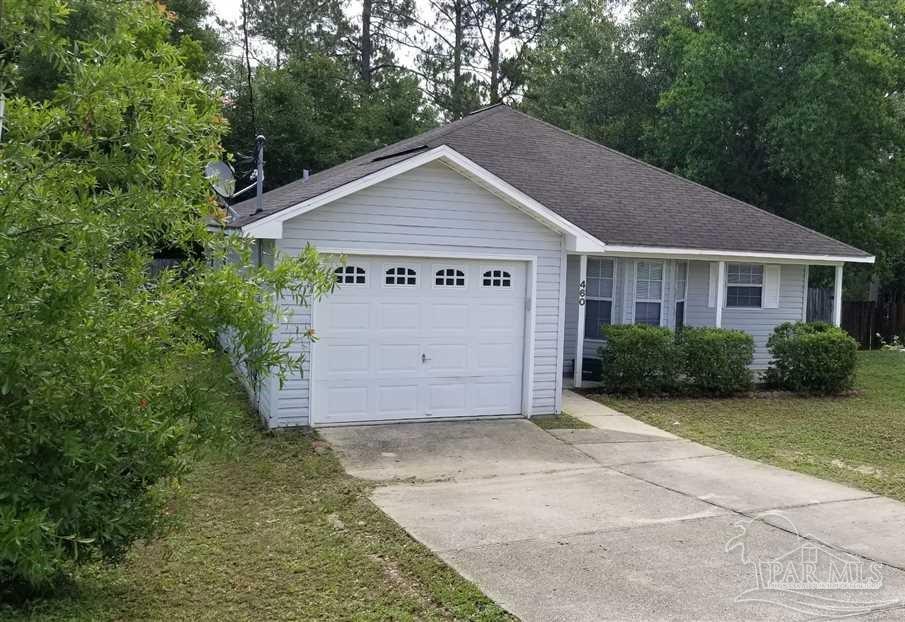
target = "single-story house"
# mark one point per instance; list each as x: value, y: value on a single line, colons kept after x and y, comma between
x: 483, y: 257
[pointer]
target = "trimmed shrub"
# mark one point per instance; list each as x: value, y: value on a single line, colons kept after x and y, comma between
x: 715, y: 360
x: 812, y: 357
x: 639, y: 360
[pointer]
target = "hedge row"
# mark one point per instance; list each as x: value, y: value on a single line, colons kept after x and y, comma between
x: 648, y: 360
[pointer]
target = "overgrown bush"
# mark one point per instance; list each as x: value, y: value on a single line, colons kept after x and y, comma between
x: 715, y: 360
x: 102, y: 386
x: 639, y: 359
x: 812, y: 358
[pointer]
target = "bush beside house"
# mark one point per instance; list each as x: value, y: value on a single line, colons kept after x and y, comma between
x: 812, y: 357
x: 715, y: 360
x: 639, y: 360
x: 649, y: 360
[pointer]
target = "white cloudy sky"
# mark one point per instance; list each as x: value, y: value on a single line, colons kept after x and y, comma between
x: 227, y: 9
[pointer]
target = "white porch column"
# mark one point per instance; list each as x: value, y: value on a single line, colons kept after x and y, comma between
x: 837, y: 297
x: 720, y: 293
x: 579, y: 339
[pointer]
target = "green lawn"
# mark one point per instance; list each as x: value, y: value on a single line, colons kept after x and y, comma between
x: 858, y: 440
x: 273, y: 531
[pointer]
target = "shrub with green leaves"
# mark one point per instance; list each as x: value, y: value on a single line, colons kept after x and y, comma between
x: 812, y: 357
x: 715, y: 360
x: 639, y: 359
x: 102, y: 394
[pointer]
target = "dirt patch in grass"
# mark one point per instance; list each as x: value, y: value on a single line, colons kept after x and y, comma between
x: 274, y: 530
x: 856, y: 439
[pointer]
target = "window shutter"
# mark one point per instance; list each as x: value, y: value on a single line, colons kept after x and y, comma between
x: 712, y: 287
x: 771, y: 286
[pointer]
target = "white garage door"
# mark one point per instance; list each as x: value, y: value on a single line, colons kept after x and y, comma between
x: 405, y: 338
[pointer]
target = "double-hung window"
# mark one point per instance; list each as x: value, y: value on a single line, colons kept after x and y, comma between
x: 744, y: 285
x: 648, y: 292
x: 598, y: 297
x: 681, y: 288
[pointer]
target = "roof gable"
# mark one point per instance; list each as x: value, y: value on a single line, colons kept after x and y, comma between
x: 610, y: 197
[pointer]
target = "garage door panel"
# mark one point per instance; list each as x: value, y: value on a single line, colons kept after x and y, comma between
x: 350, y: 358
x: 397, y: 316
x: 346, y: 316
x: 495, y: 317
x: 495, y: 358
x: 368, y: 361
x: 397, y: 401
x: 346, y: 402
x: 448, y: 359
x: 395, y: 358
x: 497, y: 396
x: 446, y: 399
x: 445, y: 316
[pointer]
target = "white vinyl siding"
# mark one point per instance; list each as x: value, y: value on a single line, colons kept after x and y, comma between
x: 431, y: 210
x: 759, y: 323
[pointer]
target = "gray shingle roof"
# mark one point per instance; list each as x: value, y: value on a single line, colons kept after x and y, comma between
x: 615, y: 198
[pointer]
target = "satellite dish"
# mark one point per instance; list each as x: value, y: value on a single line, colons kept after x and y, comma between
x: 221, y: 178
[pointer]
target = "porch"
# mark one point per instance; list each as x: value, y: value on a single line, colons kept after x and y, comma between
x: 754, y: 294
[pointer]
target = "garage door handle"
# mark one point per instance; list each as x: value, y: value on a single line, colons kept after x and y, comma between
x: 424, y: 358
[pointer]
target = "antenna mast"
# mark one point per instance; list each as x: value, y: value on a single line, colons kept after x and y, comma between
x: 259, y: 176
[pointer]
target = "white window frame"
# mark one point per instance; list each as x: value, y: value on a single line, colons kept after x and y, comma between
x: 588, y: 296
x: 763, y: 278
x: 684, y: 293
x: 659, y: 300
x: 438, y: 267
x: 505, y: 274
x: 354, y: 275
x: 393, y: 266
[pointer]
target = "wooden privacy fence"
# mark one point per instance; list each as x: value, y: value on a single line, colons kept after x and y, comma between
x: 820, y: 304
x: 863, y: 320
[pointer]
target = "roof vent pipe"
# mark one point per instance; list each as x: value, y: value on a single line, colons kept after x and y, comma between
x: 305, y: 174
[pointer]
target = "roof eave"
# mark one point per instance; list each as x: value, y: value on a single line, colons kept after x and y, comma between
x: 627, y: 250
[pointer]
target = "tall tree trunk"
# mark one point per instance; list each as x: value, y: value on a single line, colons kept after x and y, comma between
x: 495, y: 53
x: 366, y: 43
x: 458, y: 95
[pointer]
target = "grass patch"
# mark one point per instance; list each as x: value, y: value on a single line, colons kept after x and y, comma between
x: 559, y: 422
x: 272, y: 530
x: 858, y: 439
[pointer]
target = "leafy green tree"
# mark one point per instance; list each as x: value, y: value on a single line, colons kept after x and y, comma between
x: 315, y: 114
x: 101, y: 400
x: 585, y: 76
x: 297, y: 28
x: 199, y: 42
x: 795, y: 106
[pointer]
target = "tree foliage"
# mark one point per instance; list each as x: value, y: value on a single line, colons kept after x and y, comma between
x: 793, y: 106
x: 315, y: 114
x: 584, y: 77
x: 99, y: 404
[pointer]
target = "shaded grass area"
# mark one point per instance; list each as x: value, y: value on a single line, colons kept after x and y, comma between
x: 562, y: 421
x: 857, y: 439
x: 272, y: 530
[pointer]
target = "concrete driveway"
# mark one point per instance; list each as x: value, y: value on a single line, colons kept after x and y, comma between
x: 627, y: 522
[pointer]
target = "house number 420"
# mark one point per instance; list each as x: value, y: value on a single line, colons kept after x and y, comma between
x: 582, y: 291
